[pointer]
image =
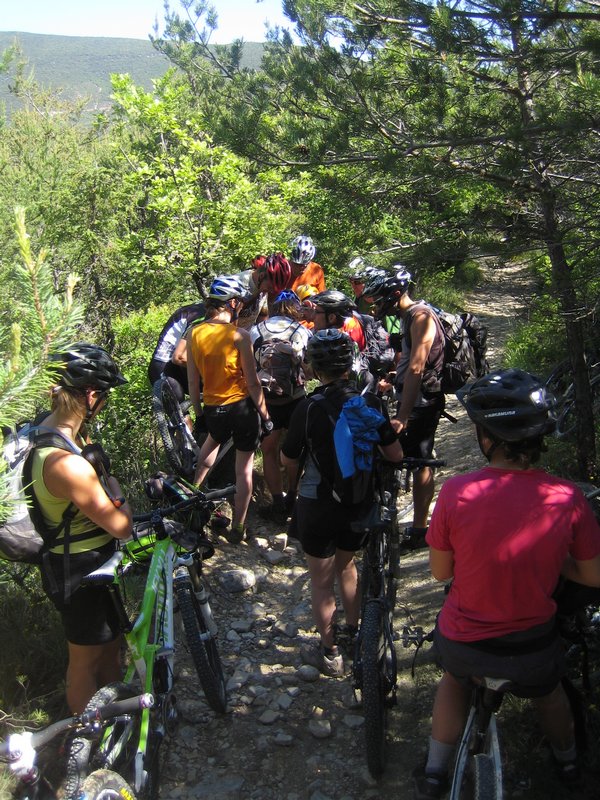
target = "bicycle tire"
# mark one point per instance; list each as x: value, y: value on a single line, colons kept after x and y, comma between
x: 202, y: 646
x: 104, y: 784
x: 373, y: 695
x: 484, y: 780
x: 566, y: 422
x: 177, y: 444
x: 82, y: 756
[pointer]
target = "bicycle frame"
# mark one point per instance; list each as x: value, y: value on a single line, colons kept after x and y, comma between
x: 479, y: 741
x: 150, y: 639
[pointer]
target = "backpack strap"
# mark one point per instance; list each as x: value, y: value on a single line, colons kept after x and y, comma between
x: 50, y: 438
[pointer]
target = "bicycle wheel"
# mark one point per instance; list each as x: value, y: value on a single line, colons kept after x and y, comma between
x: 484, y: 778
x: 567, y: 420
x: 178, y: 442
x: 104, y: 784
x: 202, y: 645
x: 373, y: 689
x: 462, y: 785
x: 113, y: 744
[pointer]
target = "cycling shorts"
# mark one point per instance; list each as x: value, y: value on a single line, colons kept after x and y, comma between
x: 239, y: 421
x: 281, y: 415
x: 533, y: 659
x: 418, y: 438
x: 89, y: 617
x: 324, y: 527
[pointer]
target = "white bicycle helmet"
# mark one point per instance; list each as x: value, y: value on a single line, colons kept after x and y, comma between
x: 303, y: 250
x: 228, y: 287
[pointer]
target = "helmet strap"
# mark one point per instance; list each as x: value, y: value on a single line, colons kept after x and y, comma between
x: 491, y: 450
x: 91, y: 409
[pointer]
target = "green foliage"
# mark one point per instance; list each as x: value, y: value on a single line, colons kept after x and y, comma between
x: 31, y: 669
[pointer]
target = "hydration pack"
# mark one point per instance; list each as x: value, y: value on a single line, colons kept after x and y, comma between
x: 378, y: 355
x: 24, y: 536
x: 465, y: 347
x: 279, y: 366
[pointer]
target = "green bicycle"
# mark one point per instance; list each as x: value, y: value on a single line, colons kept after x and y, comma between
x: 171, y: 555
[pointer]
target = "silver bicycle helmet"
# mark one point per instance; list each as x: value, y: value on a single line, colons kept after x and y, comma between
x: 302, y: 250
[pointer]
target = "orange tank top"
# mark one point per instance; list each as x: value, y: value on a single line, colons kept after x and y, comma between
x: 219, y: 364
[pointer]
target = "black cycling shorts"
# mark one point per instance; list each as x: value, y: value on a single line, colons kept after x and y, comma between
x: 418, y: 438
x: 281, y: 415
x: 89, y: 617
x: 324, y: 527
x: 535, y: 670
x: 239, y: 421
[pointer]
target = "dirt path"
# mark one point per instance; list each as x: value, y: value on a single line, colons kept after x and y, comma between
x: 267, y: 747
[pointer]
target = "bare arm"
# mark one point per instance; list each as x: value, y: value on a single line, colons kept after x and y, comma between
x: 193, y: 377
x: 585, y: 572
x: 392, y: 452
x: 422, y: 331
x: 243, y: 342
x: 441, y: 564
x: 179, y: 356
x: 71, y: 477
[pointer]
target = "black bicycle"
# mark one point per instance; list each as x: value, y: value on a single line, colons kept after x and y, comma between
x: 375, y: 663
x: 560, y: 382
x: 181, y: 442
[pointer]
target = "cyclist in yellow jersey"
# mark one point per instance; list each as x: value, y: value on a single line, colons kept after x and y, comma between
x: 221, y: 356
x: 68, y: 480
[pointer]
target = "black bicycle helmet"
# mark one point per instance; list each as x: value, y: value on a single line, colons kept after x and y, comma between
x: 382, y: 288
x: 330, y: 351
x: 334, y: 302
x: 86, y: 366
x: 511, y: 404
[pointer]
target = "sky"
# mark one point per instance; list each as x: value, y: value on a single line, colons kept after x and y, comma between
x: 134, y: 19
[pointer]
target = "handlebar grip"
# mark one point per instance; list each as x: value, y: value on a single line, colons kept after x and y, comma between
x: 127, y: 706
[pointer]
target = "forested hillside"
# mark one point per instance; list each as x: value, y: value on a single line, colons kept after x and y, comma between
x: 80, y: 67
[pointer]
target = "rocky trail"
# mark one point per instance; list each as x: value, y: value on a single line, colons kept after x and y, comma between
x: 290, y: 733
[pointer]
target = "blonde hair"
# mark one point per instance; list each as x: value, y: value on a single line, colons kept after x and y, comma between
x: 68, y: 401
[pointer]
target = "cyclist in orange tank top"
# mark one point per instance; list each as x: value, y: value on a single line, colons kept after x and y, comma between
x: 234, y: 404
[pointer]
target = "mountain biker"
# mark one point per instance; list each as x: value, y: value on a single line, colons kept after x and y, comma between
x: 322, y: 524
x: 279, y: 273
x: 61, y: 480
x: 221, y: 355
x: 284, y: 325
x: 357, y: 275
x: 418, y: 412
x: 304, y: 269
x: 172, y: 333
x: 504, y: 534
x: 304, y: 292
x: 257, y: 286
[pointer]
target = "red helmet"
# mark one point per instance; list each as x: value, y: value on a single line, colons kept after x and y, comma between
x: 279, y: 271
x: 258, y: 262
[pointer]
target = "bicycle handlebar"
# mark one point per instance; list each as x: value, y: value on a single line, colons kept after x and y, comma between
x: 11, y: 749
x: 196, y: 499
x: 416, y: 463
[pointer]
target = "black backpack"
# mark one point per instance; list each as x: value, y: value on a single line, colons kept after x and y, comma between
x: 351, y: 491
x: 465, y: 348
x: 378, y: 354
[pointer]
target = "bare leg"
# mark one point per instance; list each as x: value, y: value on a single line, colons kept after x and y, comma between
x: 89, y: 668
x: 271, y: 468
x: 207, y: 457
x: 322, y: 577
x: 423, y: 489
x: 556, y: 718
x: 347, y: 577
x: 450, y: 709
x: 243, y: 485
